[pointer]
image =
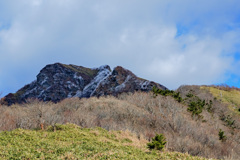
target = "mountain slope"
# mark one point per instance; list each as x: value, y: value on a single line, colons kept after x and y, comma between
x: 142, y: 114
x: 227, y: 95
x: 58, y: 81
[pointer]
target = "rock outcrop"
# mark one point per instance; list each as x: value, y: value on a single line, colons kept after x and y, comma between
x: 56, y: 82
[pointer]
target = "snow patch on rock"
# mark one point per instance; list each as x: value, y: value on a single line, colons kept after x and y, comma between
x: 79, y: 79
x: 44, y: 81
x: 91, y: 87
x: 122, y: 86
x: 144, y: 85
x: 70, y: 85
x: 78, y: 94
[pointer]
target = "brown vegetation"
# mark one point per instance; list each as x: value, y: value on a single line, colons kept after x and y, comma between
x: 225, y: 87
x: 140, y: 113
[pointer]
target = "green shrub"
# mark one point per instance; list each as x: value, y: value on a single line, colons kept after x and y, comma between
x: 195, y: 108
x: 229, y: 121
x: 176, y: 95
x: 209, y: 106
x: 158, y: 142
x: 189, y: 95
x: 221, y: 135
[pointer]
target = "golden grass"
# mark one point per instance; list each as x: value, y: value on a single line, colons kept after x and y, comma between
x: 230, y: 97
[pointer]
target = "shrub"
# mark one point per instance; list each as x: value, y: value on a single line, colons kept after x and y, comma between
x: 221, y: 135
x: 176, y: 95
x: 189, y: 95
x: 229, y: 121
x: 195, y: 108
x: 209, y: 106
x: 158, y: 142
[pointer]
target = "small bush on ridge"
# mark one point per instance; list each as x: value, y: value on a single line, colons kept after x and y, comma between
x: 158, y: 142
x: 176, y: 95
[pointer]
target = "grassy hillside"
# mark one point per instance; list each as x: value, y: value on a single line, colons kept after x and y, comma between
x: 229, y: 96
x: 191, y: 126
x: 73, y: 142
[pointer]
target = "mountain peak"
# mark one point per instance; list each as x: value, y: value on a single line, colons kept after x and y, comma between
x: 58, y: 81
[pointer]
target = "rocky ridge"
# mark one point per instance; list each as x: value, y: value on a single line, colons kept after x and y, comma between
x: 56, y: 82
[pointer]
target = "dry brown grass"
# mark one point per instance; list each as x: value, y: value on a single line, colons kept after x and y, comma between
x: 140, y: 114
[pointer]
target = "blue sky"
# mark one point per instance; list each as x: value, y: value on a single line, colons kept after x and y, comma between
x: 171, y: 42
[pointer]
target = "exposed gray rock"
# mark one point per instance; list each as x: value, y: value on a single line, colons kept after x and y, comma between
x: 58, y: 81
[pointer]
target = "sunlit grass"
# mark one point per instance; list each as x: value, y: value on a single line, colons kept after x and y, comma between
x: 231, y: 97
x: 73, y: 142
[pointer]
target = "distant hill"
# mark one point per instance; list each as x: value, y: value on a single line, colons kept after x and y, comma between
x: 58, y: 81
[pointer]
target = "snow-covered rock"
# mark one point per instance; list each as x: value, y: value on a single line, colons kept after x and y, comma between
x: 58, y: 81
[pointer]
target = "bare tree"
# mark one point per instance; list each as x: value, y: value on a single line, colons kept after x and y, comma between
x: 38, y: 111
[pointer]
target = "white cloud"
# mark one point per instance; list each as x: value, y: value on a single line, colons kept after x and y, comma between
x: 143, y: 36
x: 174, y: 61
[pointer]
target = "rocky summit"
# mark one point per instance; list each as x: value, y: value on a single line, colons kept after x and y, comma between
x: 56, y: 82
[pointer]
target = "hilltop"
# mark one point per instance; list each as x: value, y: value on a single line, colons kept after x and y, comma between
x: 56, y: 82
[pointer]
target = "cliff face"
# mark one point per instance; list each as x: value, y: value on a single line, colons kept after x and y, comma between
x: 122, y: 80
x: 58, y: 81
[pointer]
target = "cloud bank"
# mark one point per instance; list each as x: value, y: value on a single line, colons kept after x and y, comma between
x: 170, y: 42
